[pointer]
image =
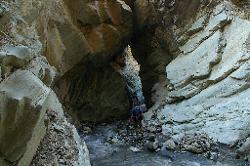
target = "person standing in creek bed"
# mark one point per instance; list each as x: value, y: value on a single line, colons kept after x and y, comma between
x: 136, y: 113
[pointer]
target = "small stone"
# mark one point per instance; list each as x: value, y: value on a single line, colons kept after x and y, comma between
x: 86, y: 129
x: 62, y: 161
x: 114, y: 140
x: 134, y: 149
x: 214, y: 156
x: 152, y: 144
x: 152, y: 129
x: 68, y: 156
x: 58, y: 128
x: 245, y: 148
x: 151, y: 138
x: 170, y: 144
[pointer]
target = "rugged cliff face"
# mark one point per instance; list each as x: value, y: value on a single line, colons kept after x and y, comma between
x: 67, y: 47
x: 26, y: 97
x: 194, y: 66
x: 209, y: 80
x: 157, y: 39
x: 82, y: 39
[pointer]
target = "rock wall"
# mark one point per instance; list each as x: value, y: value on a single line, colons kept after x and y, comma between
x: 82, y: 39
x: 209, y: 79
x: 61, y: 144
x: 154, y: 42
x: 194, y: 68
x: 26, y: 78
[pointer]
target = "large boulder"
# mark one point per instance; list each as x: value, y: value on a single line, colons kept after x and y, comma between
x: 22, y: 113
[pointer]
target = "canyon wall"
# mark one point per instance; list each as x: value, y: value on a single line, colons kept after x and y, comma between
x: 194, y: 69
x: 82, y: 39
x: 207, y: 87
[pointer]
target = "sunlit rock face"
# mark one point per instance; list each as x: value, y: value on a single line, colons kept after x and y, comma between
x: 82, y: 31
x: 209, y: 77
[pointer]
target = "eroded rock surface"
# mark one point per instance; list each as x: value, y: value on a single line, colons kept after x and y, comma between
x: 156, y: 42
x: 25, y: 88
x: 61, y: 144
x: 98, y: 28
x: 209, y: 78
x: 94, y: 94
x: 83, y: 38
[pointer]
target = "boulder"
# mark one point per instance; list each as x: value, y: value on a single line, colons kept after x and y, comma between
x: 14, y: 57
x: 152, y: 143
x: 244, y: 149
x: 23, y: 108
x: 170, y: 145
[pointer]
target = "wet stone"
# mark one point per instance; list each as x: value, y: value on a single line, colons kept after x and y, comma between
x: 134, y: 149
x: 58, y: 128
x: 197, y: 143
x: 170, y: 145
x: 152, y: 143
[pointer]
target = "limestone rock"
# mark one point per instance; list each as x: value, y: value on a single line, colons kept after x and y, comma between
x: 41, y: 68
x: 61, y: 143
x: 26, y: 78
x: 83, y: 38
x: 210, y: 79
x: 14, y: 57
x: 98, y: 28
x: 157, y: 39
x: 143, y: 11
x: 130, y: 73
x: 23, y: 107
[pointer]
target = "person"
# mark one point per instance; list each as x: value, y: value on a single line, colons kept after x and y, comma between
x: 137, y: 113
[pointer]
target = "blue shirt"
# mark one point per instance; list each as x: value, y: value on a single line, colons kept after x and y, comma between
x: 136, y: 111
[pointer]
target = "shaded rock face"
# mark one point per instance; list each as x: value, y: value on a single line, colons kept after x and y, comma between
x: 94, y: 94
x: 154, y: 43
x: 83, y: 38
x: 209, y: 78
